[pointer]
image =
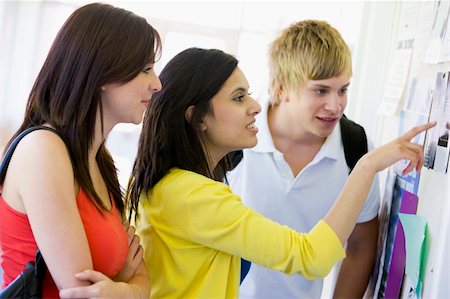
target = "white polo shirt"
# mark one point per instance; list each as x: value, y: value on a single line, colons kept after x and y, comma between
x: 266, y: 183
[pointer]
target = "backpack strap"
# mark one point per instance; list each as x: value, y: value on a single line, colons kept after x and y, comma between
x: 9, y: 152
x: 354, y: 140
x: 235, y: 157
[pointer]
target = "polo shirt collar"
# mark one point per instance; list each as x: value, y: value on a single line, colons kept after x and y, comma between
x: 332, y: 146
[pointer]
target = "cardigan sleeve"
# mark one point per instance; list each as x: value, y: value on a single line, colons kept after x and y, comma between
x: 217, y: 218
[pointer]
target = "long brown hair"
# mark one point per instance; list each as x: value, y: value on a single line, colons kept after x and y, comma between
x: 98, y: 44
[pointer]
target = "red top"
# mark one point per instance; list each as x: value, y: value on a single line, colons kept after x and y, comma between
x: 107, y: 239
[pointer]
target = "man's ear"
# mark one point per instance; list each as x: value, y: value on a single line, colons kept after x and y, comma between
x: 283, y: 94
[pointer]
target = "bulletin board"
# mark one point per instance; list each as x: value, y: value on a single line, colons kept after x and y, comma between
x: 417, y: 89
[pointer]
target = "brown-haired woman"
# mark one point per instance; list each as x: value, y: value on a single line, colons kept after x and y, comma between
x: 61, y: 193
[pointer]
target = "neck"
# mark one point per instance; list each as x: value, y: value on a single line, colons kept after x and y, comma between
x: 213, y: 161
x: 99, y: 137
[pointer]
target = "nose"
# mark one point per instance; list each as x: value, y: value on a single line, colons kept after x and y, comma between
x: 154, y: 84
x: 254, y: 108
x: 333, y: 103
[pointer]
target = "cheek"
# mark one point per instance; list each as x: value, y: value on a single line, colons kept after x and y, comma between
x: 226, y: 117
x: 344, y: 102
x: 308, y: 107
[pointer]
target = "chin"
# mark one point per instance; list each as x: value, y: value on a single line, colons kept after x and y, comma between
x: 324, y: 132
x: 137, y: 121
x: 251, y: 144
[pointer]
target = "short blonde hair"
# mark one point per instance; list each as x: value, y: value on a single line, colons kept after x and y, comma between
x: 306, y: 50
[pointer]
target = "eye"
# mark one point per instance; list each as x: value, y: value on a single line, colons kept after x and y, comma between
x: 147, y: 69
x: 321, y: 91
x: 343, y: 91
x: 239, y: 98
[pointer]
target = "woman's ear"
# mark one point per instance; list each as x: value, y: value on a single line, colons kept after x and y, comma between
x: 188, y: 113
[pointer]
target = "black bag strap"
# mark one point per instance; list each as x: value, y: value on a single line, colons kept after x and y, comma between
x: 354, y: 140
x: 9, y: 152
x: 40, y: 268
x: 235, y: 157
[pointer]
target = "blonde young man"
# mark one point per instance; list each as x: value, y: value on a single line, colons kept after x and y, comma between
x: 297, y: 169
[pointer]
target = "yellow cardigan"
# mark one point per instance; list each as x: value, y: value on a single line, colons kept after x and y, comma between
x: 194, y: 231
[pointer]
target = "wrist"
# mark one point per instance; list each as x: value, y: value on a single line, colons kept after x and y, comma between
x: 365, y: 165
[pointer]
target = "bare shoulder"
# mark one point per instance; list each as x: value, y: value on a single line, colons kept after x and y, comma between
x: 41, y: 141
x: 40, y: 163
x: 40, y: 150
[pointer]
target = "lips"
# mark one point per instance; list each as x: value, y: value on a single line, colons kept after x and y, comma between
x: 252, y: 127
x: 330, y: 119
x: 146, y: 103
x: 328, y: 122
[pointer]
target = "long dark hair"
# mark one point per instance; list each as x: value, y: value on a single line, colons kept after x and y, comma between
x: 98, y: 44
x: 168, y: 139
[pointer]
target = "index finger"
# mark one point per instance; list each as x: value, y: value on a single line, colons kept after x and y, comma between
x: 126, y: 225
x: 417, y: 130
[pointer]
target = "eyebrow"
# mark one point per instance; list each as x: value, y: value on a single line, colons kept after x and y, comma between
x: 327, y: 86
x: 240, y: 89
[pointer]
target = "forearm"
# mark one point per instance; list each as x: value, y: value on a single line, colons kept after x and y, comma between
x: 357, y: 266
x: 353, y: 277
x: 345, y: 211
x: 101, y: 286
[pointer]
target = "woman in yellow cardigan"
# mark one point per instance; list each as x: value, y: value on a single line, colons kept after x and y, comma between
x: 194, y: 230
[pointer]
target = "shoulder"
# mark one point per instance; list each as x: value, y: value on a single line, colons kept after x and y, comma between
x: 182, y: 191
x: 42, y: 148
x: 187, y: 186
x: 185, y: 181
x: 41, y: 142
x: 40, y: 166
x: 181, y: 176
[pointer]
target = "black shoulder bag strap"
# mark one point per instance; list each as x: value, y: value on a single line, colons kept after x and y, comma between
x: 354, y: 140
